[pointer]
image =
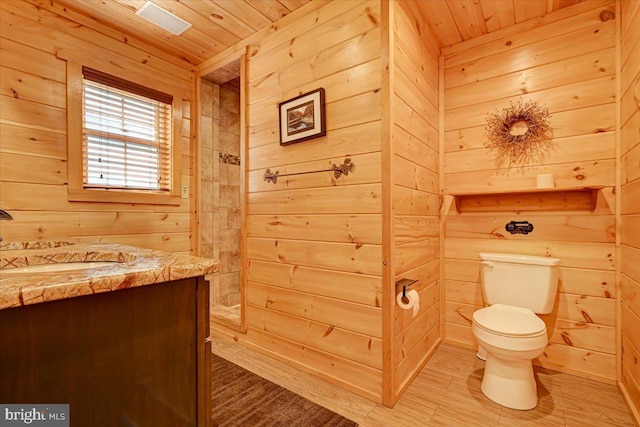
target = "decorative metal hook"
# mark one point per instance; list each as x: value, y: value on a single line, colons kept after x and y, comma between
x: 271, y: 177
x: 338, y: 171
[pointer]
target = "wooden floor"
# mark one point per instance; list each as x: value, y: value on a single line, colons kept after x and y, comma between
x: 447, y: 393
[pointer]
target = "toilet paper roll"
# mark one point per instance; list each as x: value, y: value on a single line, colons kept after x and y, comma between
x: 411, y: 301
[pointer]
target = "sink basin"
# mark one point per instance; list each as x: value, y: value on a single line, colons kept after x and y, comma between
x: 61, y: 266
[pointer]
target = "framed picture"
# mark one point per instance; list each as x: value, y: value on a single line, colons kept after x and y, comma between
x: 302, y: 118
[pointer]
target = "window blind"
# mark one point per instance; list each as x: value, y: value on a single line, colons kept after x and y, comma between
x: 126, y: 135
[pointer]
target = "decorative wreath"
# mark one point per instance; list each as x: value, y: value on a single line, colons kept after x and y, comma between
x: 519, y: 133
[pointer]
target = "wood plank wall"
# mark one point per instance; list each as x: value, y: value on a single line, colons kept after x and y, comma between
x: 314, y: 242
x: 567, y: 63
x: 630, y: 201
x: 415, y: 191
x: 33, y: 135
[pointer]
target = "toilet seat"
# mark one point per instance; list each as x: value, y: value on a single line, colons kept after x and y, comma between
x: 509, y: 321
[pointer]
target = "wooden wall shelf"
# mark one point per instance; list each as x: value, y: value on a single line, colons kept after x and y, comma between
x: 535, y: 199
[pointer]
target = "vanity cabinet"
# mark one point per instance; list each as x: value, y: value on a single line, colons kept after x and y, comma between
x: 130, y: 357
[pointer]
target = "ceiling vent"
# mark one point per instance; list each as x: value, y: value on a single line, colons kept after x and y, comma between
x: 165, y: 19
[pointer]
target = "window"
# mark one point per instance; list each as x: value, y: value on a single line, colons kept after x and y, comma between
x: 125, y: 139
x: 126, y: 134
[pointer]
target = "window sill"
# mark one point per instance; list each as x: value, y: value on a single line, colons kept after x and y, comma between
x: 119, y: 196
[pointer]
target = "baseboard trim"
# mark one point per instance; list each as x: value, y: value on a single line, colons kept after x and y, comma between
x: 627, y: 400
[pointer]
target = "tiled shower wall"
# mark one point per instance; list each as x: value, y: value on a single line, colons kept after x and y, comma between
x: 220, y: 188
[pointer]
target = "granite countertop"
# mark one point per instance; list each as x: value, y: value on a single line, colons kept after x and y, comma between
x: 131, y: 267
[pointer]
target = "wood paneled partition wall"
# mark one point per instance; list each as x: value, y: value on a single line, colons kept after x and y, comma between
x: 314, y: 242
x: 323, y: 252
x: 35, y: 38
x: 566, y: 62
x: 630, y: 200
x: 414, y: 200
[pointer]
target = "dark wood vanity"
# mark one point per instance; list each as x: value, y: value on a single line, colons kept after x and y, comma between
x: 136, y: 356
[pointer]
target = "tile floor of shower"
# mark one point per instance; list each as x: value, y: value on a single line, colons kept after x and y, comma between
x: 225, y: 295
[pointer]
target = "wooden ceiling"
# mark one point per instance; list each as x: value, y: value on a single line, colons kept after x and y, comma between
x: 217, y: 24
x: 453, y: 21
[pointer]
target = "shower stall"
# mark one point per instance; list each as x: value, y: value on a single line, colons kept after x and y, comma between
x: 221, y: 182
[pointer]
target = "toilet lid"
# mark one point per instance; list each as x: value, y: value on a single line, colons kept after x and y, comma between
x: 508, y: 320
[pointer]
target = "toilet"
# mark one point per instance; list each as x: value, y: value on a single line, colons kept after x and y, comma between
x: 516, y: 287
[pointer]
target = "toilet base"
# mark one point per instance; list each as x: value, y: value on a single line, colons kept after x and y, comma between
x: 482, y: 353
x: 510, y: 382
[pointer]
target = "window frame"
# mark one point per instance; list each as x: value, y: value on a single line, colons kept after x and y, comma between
x: 76, y: 190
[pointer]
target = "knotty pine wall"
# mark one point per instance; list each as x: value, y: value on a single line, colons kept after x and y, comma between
x: 321, y: 260
x: 314, y: 274
x: 35, y: 36
x: 315, y: 243
x: 565, y: 61
x: 415, y: 200
x: 630, y: 200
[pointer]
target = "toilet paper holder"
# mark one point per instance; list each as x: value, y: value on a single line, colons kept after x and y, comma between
x: 405, y: 283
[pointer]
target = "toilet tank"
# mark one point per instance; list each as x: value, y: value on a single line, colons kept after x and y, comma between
x: 520, y: 280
